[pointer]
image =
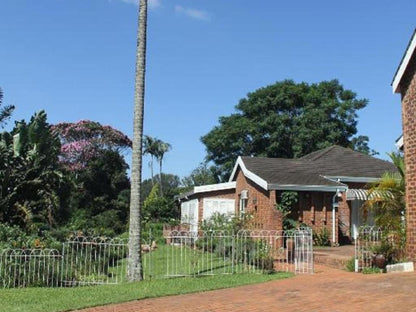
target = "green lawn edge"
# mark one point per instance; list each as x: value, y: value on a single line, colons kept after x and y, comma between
x: 67, y: 299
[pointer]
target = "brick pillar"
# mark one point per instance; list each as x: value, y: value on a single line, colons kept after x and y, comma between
x: 408, y: 92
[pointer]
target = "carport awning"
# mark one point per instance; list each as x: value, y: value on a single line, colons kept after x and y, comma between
x: 362, y: 194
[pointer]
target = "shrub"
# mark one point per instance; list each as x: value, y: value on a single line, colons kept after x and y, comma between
x: 321, y: 237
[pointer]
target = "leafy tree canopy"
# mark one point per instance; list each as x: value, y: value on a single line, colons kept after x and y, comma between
x: 171, y: 185
x: 33, y: 188
x: 85, y: 139
x: 201, y: 175
x: 288, y: 120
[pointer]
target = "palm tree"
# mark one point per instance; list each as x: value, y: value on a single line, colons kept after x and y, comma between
x: 387, y: 203
x: 161, y: 150
x: 6, y: 111
x: 135, y: 272
x: 150, y: 148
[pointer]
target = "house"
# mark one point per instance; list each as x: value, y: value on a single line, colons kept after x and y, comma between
x: 330, y: 185
x: 404, y: 82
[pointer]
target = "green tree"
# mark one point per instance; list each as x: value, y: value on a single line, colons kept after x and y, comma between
x: 150, y: 148
x: 6, y: 111
x: 288, y: 120
x: 135, y: 259
x: 171, y: 186
x: 33, y: 186
x: 201, y: 175
x: 161, y: 149
x: 157, y: 208
x: 100, y: 200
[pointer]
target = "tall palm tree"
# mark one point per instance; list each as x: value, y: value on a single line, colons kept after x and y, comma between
x: 161, y: 150
x: 135, y: 272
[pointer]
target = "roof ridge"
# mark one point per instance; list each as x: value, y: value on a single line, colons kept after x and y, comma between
x: 319, y: 153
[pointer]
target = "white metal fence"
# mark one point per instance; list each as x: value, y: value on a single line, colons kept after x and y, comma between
x: 368, y: 237
x: 100, y: 260
x: 248, y: 251
x: 94, y: 260
x: 30, y: 268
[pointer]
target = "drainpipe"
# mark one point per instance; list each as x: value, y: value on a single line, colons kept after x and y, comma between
x: 334, y: 206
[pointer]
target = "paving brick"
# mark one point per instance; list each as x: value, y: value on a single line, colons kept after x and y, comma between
x: 328, y: 290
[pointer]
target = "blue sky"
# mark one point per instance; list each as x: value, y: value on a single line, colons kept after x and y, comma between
x: 76, y: 60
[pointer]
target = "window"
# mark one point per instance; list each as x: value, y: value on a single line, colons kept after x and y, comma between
x: 218, y: 205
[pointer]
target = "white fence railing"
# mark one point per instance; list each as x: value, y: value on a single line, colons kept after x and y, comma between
x: 368, y: 237
x: 99, y: 260
x: 30, y: 268
x: 248, y: 251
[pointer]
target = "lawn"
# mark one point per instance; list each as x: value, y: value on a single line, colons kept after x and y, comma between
x: 64, y: 299
x: 164, y: 261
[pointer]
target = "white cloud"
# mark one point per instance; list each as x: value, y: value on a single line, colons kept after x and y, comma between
x: 152, y: 3
x: 193, y: 13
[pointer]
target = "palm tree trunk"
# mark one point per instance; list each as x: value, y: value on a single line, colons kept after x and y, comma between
x: 160, y: 176
x: 135, y: 272
x: 151, y: 170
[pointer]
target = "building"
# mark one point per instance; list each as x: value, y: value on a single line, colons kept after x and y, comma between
x: 331, y: 186
x: 404, y: 82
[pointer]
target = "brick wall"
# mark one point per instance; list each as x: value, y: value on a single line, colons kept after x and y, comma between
x: 315, y: 210
x: 260, y: 203
x: 408, y: 92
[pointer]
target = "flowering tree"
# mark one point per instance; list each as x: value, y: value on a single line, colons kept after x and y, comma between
x: 85, y: 140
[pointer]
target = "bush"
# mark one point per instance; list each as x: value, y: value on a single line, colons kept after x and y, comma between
x: 350, y: 265
x: 321, y: 237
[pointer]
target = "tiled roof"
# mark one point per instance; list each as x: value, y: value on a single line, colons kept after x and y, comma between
x: 313, y: 169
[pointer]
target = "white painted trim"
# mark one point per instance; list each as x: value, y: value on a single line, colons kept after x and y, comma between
x: 351, y: 179
x: 248, y: 174
x: 214, y: 187
x: 233, y: 173
x: 399, y: 143
x: 300, y: 187
x: 405, y: 62
x: 206, y: 188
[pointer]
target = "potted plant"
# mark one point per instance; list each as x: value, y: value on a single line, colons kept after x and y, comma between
x: 382, y: 254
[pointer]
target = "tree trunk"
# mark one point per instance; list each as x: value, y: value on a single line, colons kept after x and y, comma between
x: 151, y: 170
x: 160, y: 176
x: 135, y: 272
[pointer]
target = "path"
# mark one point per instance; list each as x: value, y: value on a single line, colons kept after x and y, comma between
x: 328, y: 290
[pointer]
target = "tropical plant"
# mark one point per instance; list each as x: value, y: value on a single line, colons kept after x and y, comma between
x: 386, y: 202
x: 33, y: 186
x: 157, y: 149
x: 135, y: 261
x: 149, y: 148
x: 6, y: 111
x: 161, y: 150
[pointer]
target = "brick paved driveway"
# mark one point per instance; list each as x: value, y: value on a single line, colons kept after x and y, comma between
x: 328, y: 290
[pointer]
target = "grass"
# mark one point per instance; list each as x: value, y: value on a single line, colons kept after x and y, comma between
x: 65, y: 299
